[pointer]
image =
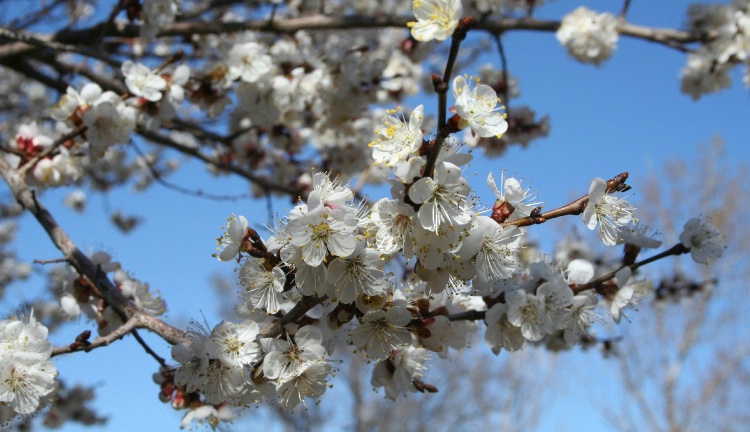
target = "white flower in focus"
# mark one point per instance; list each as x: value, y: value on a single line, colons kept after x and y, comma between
x: 526, y: 310
x: 623, y: 295
x: 589, y: 36
x: 393, y: 220
x: 193, y: 359
x: 234, y: 344
x: 321, y: 230
x: 436, y: 19
x: 443, y: 198
x: 263, y: 288
x: 478, y: 108
x: 609, y: 212
x: 223, y: 382
x: 359, y: 273
x: 308, y: 279
x: 705, y: 241
x: 142, y: 81
x: 432, y: 248
x: 328, y: 193
x: 380, y: 332
x: 233, y: 239
x: 27, y: 377
x: 310, y: 382
x: 400, y: 140
x: 24, y: 335
x: 495, y: 248
x: 285, y: 359
x: 24, y: 384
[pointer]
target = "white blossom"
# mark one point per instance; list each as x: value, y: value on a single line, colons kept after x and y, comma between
x: 478, y: 108
x: 436, y: 19
x: 608, y: 212
x: 705, y: 241
x: 443, y: 198
x: 380, y: 332
x: 142, y: 81
x: 263, y: 287
x: 399, y: 140
x: 589, y: 36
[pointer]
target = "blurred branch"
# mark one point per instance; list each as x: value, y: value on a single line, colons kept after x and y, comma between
x: 125, y: 309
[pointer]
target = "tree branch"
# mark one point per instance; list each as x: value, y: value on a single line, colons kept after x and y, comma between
x: 124, y: 308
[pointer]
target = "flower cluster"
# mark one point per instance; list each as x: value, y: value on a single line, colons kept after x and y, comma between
x: 707, y: 69
x: 234, y: 365
x: 27, y: 376
x: 589, y: 36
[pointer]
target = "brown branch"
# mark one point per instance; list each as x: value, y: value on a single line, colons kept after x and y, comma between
x: 124, y: 308
x: 576, y: 207
x: 27, y: 38
x: 195, y: 152
x: 469, y: 315
x: 81, y: 343
x: 69, y: 38
x: 148, y: 349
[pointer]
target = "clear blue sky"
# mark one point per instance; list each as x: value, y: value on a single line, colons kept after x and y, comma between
x: 626, y: 115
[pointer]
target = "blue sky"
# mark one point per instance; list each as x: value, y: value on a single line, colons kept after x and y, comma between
x: 626, y: 115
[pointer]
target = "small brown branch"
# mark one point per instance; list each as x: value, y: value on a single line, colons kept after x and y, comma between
x: 83, y: 345
x: 576, y: 207
x: 157, y: 176
x: 441, y: 88
x: 148, y: 349
x: 675, y: 250
x: 195, y: 152
x: 50, y: 261
x: 23, y: 37
x: 625, y: 9
x: 469, y: 315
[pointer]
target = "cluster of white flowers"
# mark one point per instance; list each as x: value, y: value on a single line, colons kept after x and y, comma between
x: 316, y: 89
x: 333, y: 249
x: 232, y: 364
x: 707, y: 69
x: 53, y: 170
x: 27, y: 376
x: 589, y: 36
